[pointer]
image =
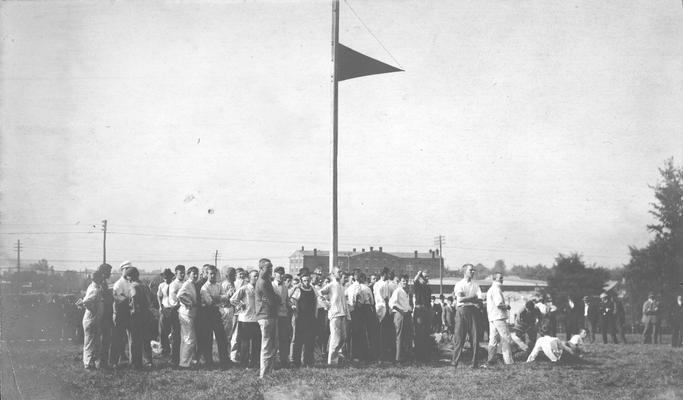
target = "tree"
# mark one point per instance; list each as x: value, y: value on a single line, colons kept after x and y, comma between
x: 572, y: 278
x: 498, y: 266
x: 41, y: 265
x: 658, y: 267
x: 539, y: 272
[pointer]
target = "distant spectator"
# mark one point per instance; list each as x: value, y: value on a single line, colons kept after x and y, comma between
x: 607, y: 319
x: 591, y: 316
x: 468, y: 295
x: 249, y: 333
x: 677, y: 322
x: 573, y: 317
x: 650, y: 319
x: 141, y: 319
x: 524, y: 331
x: 107, y: 328
x: 166, y: 309
x: 498, y: 316
x: 620, y: 317
x: 121, y: 316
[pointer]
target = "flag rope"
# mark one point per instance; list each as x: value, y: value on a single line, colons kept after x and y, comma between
x: 372, y: 34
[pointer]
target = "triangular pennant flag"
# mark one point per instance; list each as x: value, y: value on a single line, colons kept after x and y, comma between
x: 352, y: 64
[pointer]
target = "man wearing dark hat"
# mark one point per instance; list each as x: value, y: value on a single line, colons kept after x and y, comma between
x: 107, y: 327
x: 304, y: 302
x: 607, y: 319
x: 165, y: 311
x: 650, y: 326
x: 590, y: 317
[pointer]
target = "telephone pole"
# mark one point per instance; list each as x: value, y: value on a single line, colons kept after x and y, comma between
x: 215, y: 259
x: 104, y: 242
x: 18, y: 248
x: 440, y: 240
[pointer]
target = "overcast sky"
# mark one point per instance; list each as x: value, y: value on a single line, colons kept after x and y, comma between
x: 519, y: 129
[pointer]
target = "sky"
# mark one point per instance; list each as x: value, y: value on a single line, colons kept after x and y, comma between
x: 519, y: 130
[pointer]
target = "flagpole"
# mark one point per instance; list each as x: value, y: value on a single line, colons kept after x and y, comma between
x: 335, y: 133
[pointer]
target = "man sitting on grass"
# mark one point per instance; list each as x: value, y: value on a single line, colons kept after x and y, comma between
x: 553, y: 348
x: 576, y: 342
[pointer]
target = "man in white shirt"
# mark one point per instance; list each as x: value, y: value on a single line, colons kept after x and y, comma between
x: 552, y: 347
x: 213, y: 297
x: 248, y: 327
x: 227, y: 309
x: 497, y: 312
x: 399, y: 304
x: 165, y: 311
x: 121, y: 292
x: 173, y: 289
x: 385, y: 331
x: 337, y: 314
x: 360, y: 302
x: 467, y: 294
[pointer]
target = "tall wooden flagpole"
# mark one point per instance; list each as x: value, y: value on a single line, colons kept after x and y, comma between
x: 335, y: 135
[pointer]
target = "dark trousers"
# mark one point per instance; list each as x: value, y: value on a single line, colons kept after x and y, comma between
x: 203, y: 332
x: 213, y: 326
x: 250, y: 344
x: 372, y: 324
x: 165, y: 323
x: 608, y: 326
x: 421, y: 322
x: 304, y: 339
x: 175, y: 337
x: 590, y: 326
x: 386, y: 338
x: 323, y: 331
x: 105, y: 339
x: 284, y: 338
x: 118, y: 342
x: 404, y: 334
x: 359, y: 331
x: 676, y: 334
x: 140, y: 341
x: 465, y: 324
x: 650, y: 330
x: 620, y: 330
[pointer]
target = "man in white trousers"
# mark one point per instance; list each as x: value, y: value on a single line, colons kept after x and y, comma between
x: 497, y: 311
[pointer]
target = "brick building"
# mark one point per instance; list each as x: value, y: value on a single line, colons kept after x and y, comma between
x: 369, y: 262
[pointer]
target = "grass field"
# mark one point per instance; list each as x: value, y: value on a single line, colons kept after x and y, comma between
x: 634, y: 371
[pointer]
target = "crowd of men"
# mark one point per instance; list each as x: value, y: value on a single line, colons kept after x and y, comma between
x: 263, y: 319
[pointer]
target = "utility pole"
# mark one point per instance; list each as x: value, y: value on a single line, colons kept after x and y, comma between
x: 215, y: 259
x: 104, y: 242
x: 440, y: 240
x: 18, y: 248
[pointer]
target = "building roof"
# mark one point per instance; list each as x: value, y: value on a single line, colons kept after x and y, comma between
x: 510, y: 280
x: 325, y: 253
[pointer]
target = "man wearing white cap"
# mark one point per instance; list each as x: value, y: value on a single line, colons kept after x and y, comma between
x: 121, y: 291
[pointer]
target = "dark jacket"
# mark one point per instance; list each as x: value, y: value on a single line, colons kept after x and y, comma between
x: 265, y: 299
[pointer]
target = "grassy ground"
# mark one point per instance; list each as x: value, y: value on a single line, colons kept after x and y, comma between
x: 54, y: 371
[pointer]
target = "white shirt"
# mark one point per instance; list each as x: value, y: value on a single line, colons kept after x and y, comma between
x: 382, y: 291
x: 335, y: 291
x: 164, y: 293
x: 495, y: 298
x: 577, y: 341
x: 121, y: 290
x: 552, y: 347
x: 400, y: 300
x: 174, y: 288
x: 245, y: 302
x: 469, y: 289
x: 212, y: 294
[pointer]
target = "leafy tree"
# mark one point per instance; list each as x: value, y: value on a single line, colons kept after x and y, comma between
x: 499, y: 266
x: 538, y: 272
x: 571, y: 277
x: 658, y: 267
